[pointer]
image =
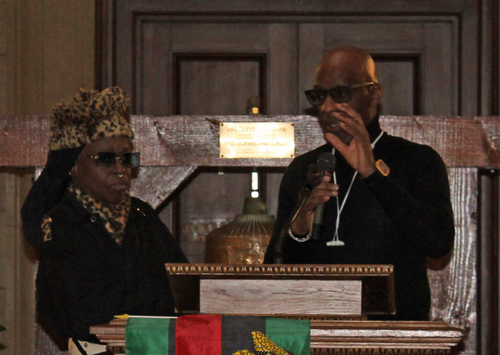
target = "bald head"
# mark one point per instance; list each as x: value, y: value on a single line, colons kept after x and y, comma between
x: 350, y: 65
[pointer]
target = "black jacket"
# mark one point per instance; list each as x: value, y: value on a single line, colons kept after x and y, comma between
x: 400, y: 219
x: 85, y: 278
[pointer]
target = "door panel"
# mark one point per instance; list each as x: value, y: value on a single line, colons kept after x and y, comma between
x: 400, y: 80
x: 414, y: 64
x: 162, y: 42
x: 218, y: 85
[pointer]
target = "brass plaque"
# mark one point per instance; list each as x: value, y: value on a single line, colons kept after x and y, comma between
x: 257, y: 140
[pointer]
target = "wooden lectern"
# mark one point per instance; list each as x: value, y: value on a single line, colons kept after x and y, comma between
x: 336, y: 298
x: 283, y: 290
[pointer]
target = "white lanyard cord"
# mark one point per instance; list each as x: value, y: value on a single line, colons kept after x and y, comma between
x: 336, y: 241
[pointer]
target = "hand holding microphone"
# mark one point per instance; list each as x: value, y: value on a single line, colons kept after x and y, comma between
x: 324, y: 167
x: 319, y: 178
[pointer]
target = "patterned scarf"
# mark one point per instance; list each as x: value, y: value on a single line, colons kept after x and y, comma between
x: 114, y: 217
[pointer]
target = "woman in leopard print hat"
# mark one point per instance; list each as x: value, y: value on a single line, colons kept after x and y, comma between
x: 102, y: 252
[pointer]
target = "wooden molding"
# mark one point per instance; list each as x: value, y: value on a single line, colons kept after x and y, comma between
x: 297, y: 270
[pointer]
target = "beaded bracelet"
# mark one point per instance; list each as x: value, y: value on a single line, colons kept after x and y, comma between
x: 304, y: 239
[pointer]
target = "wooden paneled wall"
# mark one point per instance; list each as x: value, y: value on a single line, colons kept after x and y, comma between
x: 46, y: 55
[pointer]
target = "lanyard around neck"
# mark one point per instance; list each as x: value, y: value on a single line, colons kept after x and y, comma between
x: 336, y: 241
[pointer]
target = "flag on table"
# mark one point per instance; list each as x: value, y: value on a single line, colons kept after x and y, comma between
x: 150, y: 335
x: 213, y: 335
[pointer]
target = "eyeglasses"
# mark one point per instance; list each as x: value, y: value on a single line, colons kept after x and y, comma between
x: 108, y: 160
x: 339, y: 94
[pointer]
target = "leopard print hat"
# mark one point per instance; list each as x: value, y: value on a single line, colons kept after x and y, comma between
x: 90, y: 116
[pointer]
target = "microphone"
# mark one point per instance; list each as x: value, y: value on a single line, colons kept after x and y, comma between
x: 324, y: 166
x: 315, y: 173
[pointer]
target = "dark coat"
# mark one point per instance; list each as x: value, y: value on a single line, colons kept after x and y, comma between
x: 85, y: 278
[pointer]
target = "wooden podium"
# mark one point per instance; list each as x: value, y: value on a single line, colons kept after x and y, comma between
x: 336, y: 298
x: 283, y: 290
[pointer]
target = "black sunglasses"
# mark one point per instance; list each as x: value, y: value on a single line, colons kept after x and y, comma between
x: 339, y: 94
x: 108, y: 160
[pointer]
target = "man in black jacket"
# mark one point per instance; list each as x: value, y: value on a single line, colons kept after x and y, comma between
x: 388, y: 200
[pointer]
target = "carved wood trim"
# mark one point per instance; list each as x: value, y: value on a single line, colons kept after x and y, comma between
x: 307, y: 271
